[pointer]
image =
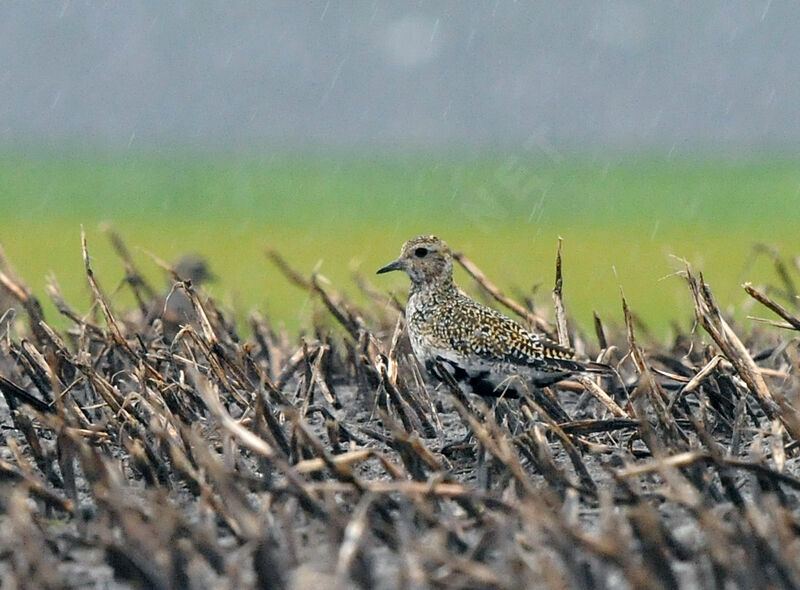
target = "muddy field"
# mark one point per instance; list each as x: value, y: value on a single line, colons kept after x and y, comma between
x: 163, y: 447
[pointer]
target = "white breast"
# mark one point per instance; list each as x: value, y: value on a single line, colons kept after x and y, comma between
x: 422, y: 352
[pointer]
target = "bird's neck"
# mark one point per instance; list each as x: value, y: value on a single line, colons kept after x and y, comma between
x: 438, y: 287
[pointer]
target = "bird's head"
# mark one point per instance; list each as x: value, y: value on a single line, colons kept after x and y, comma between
x: 426, y: 259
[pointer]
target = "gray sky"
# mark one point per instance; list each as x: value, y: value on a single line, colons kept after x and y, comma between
x: 240, y: 75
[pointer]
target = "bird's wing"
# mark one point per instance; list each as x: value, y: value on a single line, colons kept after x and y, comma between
x: 500, y: 339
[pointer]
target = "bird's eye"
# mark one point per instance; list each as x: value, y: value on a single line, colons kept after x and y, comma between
x: 421, y: 252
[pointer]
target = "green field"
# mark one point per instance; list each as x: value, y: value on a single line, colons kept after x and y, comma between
x: 622, y: 220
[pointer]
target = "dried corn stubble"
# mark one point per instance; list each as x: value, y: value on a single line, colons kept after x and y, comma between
x: 260, y: 461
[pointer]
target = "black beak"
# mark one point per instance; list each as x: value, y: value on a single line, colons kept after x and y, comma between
x: 396, y: 265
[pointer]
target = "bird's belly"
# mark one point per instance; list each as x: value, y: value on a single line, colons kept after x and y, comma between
x: 491, y: 378
x: 420, y: 351
x: 473, y: 374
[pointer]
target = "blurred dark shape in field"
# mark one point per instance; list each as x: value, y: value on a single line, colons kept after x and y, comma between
x: 174, y: 306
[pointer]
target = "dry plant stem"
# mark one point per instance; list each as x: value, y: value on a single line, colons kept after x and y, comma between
x: 709, y: 316
x: 648, y: 384
x: 209, y: 334
x: 636, y: 352
x: 695, y: 381
x: 23, y: 294
x: 36, y: 487
x: 243, y: 435
x: 13, y: 390
x: 533, y: 319
x: 337, y: 308
x: 291, y: 274
x: 592, y: 426
x: 499, y: 446
x: 781, y: 270
x: 318, y: 374
x: 142, y: 291
x: 349, y: 458
x: 599, y: 331
x: 353, y: 537
x: 116, y: 334
x: 391, y: 359
x: 375, y: 295
x: 558, y: 302
x: 691, y: 457
x: 333, y: 303
x: 54, y: 291
x: 574, y: 456
x: 599, y: 393
x: 396, y: 400
x: 773, y: 305
x: 401, y: 390
x: 495, y: 443
x: 101, y: 300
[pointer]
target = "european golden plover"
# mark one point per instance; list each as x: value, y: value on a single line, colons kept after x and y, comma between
x: 478, y: 346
